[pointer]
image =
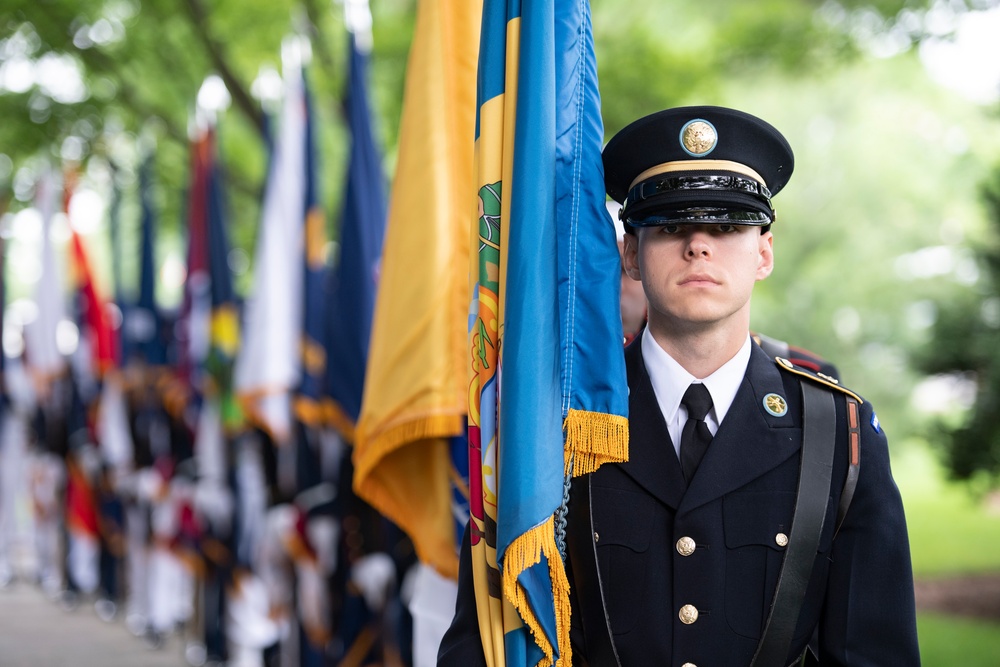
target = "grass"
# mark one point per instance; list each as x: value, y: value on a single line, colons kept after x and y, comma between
x: 951, y: 533
x: 947, y: 641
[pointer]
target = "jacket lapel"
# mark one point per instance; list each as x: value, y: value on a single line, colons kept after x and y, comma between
x: 652, y: 461
x: 750, y: 441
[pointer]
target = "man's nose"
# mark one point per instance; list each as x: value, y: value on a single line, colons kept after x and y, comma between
x: 698, y: 244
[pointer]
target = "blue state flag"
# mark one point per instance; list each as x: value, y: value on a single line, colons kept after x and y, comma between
x: 549, y: 396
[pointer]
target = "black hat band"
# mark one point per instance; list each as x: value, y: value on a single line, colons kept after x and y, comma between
x: 699, y: 198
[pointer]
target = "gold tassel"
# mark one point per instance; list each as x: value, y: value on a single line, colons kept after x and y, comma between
x: 592, y: 439
x: 522, y: 553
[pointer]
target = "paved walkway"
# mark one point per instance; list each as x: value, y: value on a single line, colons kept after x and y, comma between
x: 38, y: 632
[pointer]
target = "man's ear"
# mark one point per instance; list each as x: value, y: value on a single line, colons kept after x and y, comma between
x: 630, y: 256
x: 765, y: 264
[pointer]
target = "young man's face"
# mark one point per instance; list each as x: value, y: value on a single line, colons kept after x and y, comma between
x: 698, y: 276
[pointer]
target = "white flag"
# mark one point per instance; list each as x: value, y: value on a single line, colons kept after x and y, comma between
x: 268, y: 367
x: 44, y: 360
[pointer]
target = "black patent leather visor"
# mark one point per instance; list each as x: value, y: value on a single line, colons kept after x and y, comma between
x: 698, y: 199
x: 700, y: 216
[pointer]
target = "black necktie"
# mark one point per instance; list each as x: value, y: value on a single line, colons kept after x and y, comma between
x: 695, y: 436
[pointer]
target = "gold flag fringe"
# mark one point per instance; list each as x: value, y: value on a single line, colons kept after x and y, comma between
x: 369, y: 453
x: 370, y: 450
x: 592, y: 439
x: 524, y: 552
x: 308, y: 410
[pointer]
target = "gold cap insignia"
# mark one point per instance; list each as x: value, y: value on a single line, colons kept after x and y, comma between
x: 698, y: 137
x: 775, y: 405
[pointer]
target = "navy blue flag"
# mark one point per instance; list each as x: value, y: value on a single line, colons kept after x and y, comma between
x: 224, y: 327
x: 308, y: 407
x: 354, y: 281
x: 141, y: 339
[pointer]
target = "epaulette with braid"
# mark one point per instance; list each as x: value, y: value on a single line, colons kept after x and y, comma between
x: 821, y: 378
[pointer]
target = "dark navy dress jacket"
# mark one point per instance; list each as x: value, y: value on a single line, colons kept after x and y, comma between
x: 668, y: 604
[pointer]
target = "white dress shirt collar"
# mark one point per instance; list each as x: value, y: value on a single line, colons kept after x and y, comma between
x: 670, y: 381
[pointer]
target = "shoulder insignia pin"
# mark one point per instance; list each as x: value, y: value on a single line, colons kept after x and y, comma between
x: 819, y: 378
x: 775, y: 405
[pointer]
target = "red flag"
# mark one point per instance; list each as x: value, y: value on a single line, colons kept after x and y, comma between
x: 94, y: 320
x: 81, y: 507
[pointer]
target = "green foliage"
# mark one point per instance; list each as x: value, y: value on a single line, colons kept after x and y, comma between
x: 946, y: 641
x: 936, y: 506
x: 668, y: 53
x: 964, y: 340
x: 142, y: 66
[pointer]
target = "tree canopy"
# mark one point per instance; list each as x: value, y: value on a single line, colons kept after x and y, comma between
x: 876, y: 232
x: 963, y: 350
x: 83, y: 79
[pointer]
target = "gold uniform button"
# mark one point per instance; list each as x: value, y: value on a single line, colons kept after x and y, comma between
x: 685, y: 546
x: 781, y: 539
x: 597, y: 538
x: 689, y: 664
x: 688, y: 614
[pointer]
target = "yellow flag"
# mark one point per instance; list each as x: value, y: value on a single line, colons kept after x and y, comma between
x: 416, y: 381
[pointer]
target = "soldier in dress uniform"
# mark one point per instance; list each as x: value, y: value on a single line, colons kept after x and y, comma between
x: 756, y: 521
